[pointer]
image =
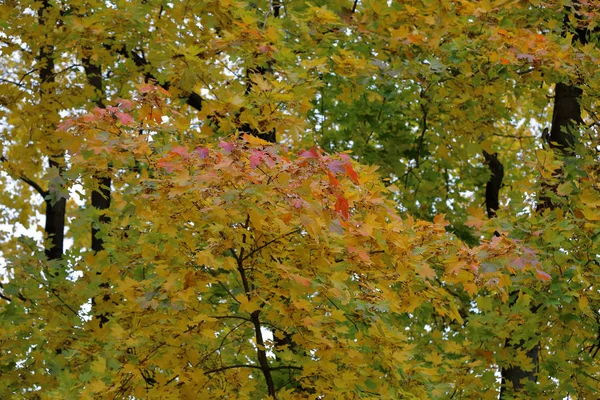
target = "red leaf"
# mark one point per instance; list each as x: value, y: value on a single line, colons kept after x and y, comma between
x: 256, y: 158
x: 332, y: 179
x: 180, y: 151
x: 125, y: 118
x: 125, y: 105
x: 169, y: 166
x: 351, y: 173
x: 69, y: 123
x: 146, y: 88
x: 312, y: 153
x: 341, y: 205
x: 298, y: 203
x: 228, y: 147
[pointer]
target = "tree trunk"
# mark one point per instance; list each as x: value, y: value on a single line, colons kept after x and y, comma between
x: 55, y: 201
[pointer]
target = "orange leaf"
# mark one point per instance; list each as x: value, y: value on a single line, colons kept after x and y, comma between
x: 300, y: 279
x: 332, y: 179
x: 341, y: 205
x: 190, y: 280
x: 351, y: 173
x: 541, y: 275
x: 440, y: 220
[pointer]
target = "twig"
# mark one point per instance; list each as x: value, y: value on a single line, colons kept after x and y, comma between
x: 28, y: 181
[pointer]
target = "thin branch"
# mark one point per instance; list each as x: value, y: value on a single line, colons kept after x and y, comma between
x: 212, y: 371
x: 66, y: 69
x: 14, y: 83
x: 269, y: 243
x: 514, y: 136
x: 230, y: 317
x: 224, y: 368
x: 286, y: 367
x: 55, y: 293
x: 336, y: 306
x: 28, y: 181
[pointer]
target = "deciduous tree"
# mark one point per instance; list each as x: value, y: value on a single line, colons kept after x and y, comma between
x: 205, y: 261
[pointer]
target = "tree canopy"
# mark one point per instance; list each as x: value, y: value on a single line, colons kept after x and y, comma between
x: 290, y: 199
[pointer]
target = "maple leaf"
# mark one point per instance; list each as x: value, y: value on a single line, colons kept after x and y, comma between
x: 256, y: 141
x: 543, y: 276
x: 202, y: 152
x: 341, y: 206
x: 227, y: 146
x: 256, y: 158
x: 351, y: 173
x: 198, y: 258
x: 312, y: 153
x: 337, y: 166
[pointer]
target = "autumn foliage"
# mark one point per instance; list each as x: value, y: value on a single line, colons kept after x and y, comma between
x: 289, y: 199
x: 242, y: 270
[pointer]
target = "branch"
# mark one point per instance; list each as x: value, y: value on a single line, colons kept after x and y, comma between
x: 286, y: 367
x: 254, y: 317
x: 194, y: 100
x: 14, y: 83
x: 28, y: 181
x: 55, y: 293
x: 269, y: 243
x: 212, y: 371
x: 230, y: 317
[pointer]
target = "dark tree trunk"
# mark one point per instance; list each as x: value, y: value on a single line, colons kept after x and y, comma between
x: 101, y: 196
x: 55, y: 201
x: 492, y: 188
x: 566, y: 119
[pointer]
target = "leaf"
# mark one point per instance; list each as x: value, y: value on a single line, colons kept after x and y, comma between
x: 351, y: 173
x: 255, y: 141
x: 125, y: 118
x: 256, y: 158
x: 301, y: 280
x: 541, y: 275
x: 337, y: 166
x: 475, y: 217
x: 341, y: 206
x: 227, y: 146
x: 202, y: 152
x: 312, y: 153
x: 180, y: 151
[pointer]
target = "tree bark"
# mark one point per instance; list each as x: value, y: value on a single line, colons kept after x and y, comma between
x: 566, y: 119
x: 492, y: 188
x: 55, y: 201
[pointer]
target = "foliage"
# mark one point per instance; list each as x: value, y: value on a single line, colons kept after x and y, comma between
x: 226, y: 266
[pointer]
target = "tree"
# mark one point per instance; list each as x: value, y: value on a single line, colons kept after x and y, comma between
x: 216, y: 257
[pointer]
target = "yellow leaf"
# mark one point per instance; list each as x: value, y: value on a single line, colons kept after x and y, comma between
x: 256, y: 141
x: 99, y: 365
x: 583, y: 303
